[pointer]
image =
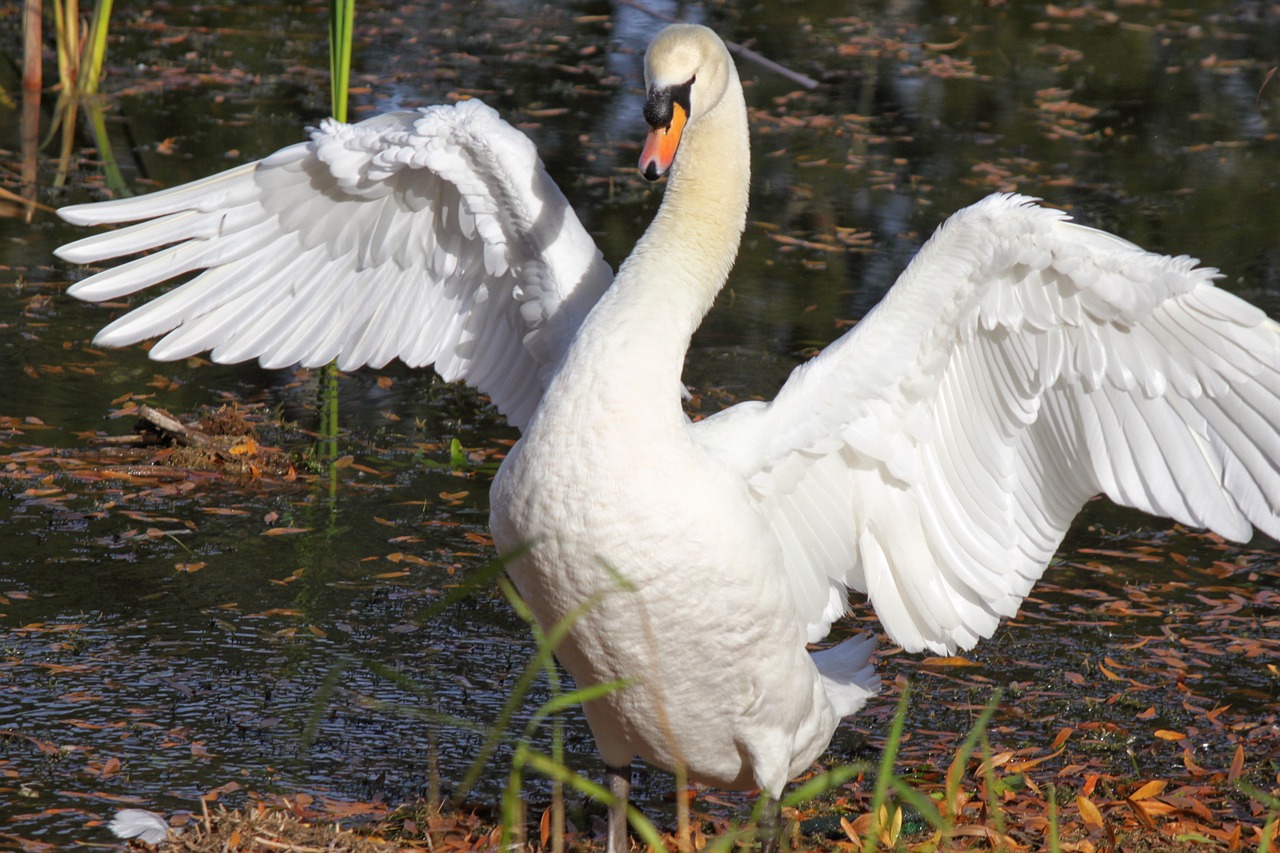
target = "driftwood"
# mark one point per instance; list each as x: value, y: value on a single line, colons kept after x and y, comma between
x: 158, y: 420
x: 156, y: 426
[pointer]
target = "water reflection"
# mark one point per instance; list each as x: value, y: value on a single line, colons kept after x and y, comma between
x: 197, y: 680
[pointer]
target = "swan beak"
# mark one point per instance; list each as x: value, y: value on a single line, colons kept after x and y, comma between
x: 667, y: 110
x: 660, y: 146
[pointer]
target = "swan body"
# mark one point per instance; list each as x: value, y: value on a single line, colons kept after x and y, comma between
x: 932, y: 458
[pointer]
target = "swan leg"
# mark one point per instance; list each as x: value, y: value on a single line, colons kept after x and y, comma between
x: 770, y: 825
x: 619, y: 781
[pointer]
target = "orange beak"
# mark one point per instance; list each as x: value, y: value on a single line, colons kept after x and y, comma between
x: 660, y: 146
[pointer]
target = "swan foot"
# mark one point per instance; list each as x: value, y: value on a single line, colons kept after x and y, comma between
x: 770, y: 825
x: 618, y: 780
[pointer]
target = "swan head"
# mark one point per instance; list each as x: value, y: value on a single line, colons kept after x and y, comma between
x: 687, y: 70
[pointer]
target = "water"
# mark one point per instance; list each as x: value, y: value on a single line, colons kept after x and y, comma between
x: 124, y: 677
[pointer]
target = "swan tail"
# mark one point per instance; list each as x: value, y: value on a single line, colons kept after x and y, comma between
x: 848, y: 676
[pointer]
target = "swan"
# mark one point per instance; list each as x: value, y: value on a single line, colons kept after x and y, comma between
x: 932, y: 458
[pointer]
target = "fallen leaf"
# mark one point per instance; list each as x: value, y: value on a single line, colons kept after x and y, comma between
x: 1089, y: 812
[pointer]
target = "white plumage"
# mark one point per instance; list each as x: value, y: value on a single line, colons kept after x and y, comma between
x: 933, y: 457
x: 148, y: 827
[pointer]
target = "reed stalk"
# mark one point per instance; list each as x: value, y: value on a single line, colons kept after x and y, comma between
x: 341, y: 24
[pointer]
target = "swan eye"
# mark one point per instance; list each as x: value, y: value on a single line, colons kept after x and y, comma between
x: 659, y: 106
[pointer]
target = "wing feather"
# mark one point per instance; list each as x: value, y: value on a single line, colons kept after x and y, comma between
x: 434, y: 236
x: 1021, y: 365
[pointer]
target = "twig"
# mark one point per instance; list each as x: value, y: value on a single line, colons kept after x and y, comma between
x: 745, y: 52
x: 14, y: 197
x: 1257, y: 101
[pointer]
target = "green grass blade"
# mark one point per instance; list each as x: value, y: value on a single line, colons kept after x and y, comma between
x: 541, y: 658
x: 927, y: 808
x: 824, y: 782
x: 880, y: 794
x: 95, y: 49
x: 564, y: 701
x: 554, y: 770
x: 342, y: 15
x: 321, y: 700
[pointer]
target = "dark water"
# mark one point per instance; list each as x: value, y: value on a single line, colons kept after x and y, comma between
x: 123, y: 677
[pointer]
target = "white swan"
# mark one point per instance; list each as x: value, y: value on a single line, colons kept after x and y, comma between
x: 932, y: 458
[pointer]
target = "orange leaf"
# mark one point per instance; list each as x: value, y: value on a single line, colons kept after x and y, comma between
x: 1139, y: 811
x: 1157, y: 807
x: 1150, y: 789
x: 1166, y: 734
x: 1190, y: 764
x: 851, y: 830
x: 544, y: 827
x: 953, y: 660
x: 1089, y: 812
x: 244, y: 448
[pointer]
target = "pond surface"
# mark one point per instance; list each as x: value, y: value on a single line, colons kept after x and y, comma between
x: 162, y: 640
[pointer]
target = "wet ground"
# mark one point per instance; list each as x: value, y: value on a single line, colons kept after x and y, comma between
x: 162, y: 639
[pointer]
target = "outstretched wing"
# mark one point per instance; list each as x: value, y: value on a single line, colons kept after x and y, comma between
x: 935, y: 456
x: 435, y: 237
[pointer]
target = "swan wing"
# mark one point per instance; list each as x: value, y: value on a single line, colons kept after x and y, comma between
x: 935, y: 455
x: 433, y: 236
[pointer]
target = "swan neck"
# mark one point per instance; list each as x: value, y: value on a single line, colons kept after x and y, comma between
x: 632, y: 345
x: 683, y: 260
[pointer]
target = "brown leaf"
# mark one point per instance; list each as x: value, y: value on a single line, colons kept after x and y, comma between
x: 1021, y: 766
x: 1237, y: 765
